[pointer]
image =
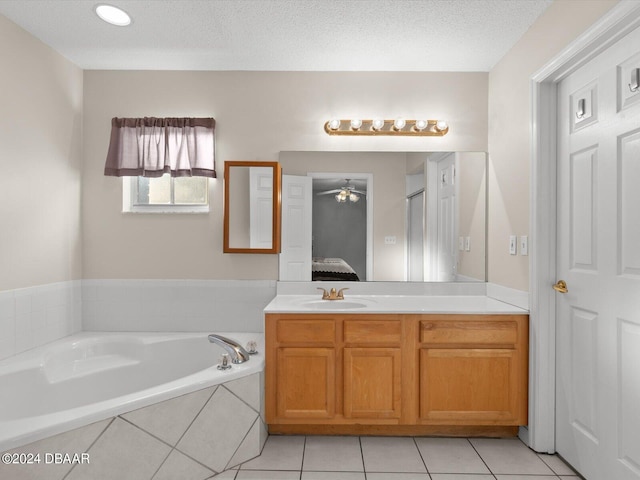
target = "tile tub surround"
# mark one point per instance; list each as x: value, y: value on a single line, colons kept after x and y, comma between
x: 34, y: 316
x: 194, y: 436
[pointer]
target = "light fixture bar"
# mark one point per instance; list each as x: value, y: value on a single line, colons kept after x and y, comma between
x: 411, y: 128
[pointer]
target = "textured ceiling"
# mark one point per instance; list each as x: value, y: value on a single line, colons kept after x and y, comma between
x: 304, y: 35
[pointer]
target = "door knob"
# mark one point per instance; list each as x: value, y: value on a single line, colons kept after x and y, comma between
x: 561, y: 286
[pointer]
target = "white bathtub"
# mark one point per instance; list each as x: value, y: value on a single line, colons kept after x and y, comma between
x: 92, y: 376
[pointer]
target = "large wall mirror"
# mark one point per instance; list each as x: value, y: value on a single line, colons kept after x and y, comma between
x: 251, y: 207
x: 380, y: 216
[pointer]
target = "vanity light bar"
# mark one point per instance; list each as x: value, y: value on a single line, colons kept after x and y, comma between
x: 399, y: 126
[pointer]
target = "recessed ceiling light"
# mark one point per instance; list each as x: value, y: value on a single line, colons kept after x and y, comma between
x: 113, y: 15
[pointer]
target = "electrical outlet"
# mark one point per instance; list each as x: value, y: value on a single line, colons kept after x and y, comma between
x: 390, y: 240
x: 467, y: 244
x: 513, y: 244
x: 524, y: 245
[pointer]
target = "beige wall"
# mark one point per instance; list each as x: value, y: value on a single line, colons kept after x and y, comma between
x: 40, y: 162
x: 472, y: 214
x: 258, y: 115
x: 510, y: 134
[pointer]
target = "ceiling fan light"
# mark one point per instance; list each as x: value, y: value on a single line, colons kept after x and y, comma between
x: 354, y: 197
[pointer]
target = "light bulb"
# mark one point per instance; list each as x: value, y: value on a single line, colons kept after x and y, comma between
x: 356, y: 124
x: 377, y: 124
x: 420, y: 125
x: 441, y: 125
x: 399, y: 123
x: 334, y: 124
x: 113, y: 15
x: 354, y: 198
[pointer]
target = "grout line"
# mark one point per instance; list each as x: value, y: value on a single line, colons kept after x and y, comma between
x: 364, y: 467
x: 421, y: 457
x: 215, y: 389
x: 304, y: 448
x: 478, y: 453
x: 92, y: 444
x: 226, y: 467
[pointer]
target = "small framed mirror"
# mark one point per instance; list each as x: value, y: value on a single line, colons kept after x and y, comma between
x: 252, y: 207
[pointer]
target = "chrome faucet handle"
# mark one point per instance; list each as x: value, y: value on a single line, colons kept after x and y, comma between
x: 341, y: 294
x: 325, y: 294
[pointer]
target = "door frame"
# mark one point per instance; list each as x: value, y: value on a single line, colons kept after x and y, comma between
x: 620, y: 20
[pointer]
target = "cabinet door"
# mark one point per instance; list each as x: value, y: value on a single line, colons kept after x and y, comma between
x: 372, y: 381
x: 305, y: 383
x: 470, y: 386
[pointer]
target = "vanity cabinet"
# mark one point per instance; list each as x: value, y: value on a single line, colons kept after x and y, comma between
x: 395, y: 373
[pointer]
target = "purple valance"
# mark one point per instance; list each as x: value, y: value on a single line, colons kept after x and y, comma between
x: 151, y: 147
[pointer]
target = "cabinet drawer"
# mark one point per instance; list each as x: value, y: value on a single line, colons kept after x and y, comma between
x: 372, y: 331
x: 469, y: 332
x: 306, y: 331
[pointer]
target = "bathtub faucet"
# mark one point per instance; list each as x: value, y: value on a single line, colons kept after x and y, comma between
x: 235, y: 350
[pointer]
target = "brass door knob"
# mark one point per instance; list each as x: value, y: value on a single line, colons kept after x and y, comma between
x: 561, y: 286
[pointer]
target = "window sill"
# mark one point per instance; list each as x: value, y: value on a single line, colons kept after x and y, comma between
x: 168, y: 209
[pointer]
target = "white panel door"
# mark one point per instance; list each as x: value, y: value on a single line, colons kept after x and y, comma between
x: 598, y: 319
x: 261, y: 207
x: 295, y: 252
x: 447, y: 258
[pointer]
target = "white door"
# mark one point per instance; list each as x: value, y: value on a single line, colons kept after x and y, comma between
x: 447, y: 256
x: 261, y: 207
x: 598, y: 255
x: 295, y: 251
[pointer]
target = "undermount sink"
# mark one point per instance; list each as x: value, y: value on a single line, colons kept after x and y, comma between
x: 334, y: 304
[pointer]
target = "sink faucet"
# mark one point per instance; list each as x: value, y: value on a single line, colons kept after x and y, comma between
x: 235, y: 350
x: 332, y: 294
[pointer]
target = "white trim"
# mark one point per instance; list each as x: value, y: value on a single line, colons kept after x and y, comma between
x: 621, y: 19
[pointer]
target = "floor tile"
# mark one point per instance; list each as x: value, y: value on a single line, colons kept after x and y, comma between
x: 450, y: 455
x: 397, y: 476
x: 267, y: 475
x: 509, y: 456
x: 333, y: 476
x: 391, y: 454
x: 279, y: 453
x: 465, y: 476
x: 555, y: 463
x: 228, y: 475
x: 180, y: 466
x: 333, y: 454
x: 526, y: 477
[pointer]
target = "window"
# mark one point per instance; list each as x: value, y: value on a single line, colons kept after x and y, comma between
x: 165, y: 194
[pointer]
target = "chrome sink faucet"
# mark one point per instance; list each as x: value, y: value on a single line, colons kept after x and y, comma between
x: 237, y: 353
x: 332, y: 294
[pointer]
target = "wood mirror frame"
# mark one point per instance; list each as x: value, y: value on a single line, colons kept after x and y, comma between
x: 228, y: 247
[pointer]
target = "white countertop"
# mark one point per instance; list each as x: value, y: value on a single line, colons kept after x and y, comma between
x: 467, y: 304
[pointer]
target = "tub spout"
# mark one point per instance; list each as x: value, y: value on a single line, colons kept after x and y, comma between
x: 236, y: 351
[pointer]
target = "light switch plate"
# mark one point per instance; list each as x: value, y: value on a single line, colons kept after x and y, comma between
x: 467, y: 244
x: 524, y: 245
x: 513, y: 244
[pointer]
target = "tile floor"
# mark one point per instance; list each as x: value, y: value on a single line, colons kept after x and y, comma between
x: 398, y: 458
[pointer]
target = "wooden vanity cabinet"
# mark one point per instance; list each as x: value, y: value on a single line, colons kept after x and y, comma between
x: 473, y: 370
x: 395, y: 373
